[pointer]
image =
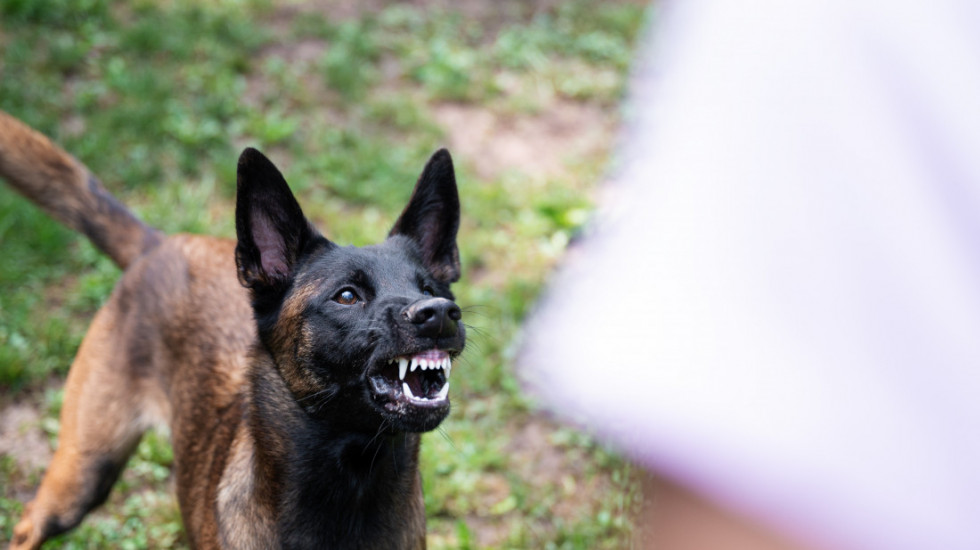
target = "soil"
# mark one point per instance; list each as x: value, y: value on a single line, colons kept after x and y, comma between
x: 541, y: 145
x: 23, y: 441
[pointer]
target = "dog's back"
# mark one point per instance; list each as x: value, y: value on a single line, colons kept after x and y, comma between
x: 171, y: 340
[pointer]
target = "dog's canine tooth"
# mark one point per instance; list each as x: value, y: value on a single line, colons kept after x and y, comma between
x: 402, y: 368
x: 448, y: 367
x: 444, y: 392
x: 407, y: 390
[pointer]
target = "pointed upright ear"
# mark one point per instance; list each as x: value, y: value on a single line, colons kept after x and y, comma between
x: 272, y: 231
x: 431, y: 218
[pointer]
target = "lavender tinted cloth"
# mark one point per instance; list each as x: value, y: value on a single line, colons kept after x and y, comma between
x: 779, y: 303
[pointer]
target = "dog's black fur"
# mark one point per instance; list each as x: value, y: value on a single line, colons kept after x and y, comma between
x: 355, y: 445
x: 292, y: 423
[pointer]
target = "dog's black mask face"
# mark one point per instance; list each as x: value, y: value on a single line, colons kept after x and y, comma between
x: 362, y: 336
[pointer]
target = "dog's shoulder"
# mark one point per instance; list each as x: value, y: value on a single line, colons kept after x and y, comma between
x: 187, y: 320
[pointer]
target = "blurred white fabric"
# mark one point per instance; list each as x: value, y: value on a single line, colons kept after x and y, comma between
x: 781, y: 308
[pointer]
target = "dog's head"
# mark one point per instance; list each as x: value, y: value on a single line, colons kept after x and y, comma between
x: 365, y: 335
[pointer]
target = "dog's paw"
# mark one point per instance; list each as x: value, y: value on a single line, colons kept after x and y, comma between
x: 27, y: 535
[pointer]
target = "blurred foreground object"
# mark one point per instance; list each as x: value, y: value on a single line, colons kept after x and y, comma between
x: 779, y: 305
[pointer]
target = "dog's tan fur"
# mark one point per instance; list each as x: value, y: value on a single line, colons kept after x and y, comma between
x: 172, y: 344
x: 66, y: 190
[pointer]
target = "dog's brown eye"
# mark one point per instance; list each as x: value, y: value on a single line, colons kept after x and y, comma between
x: 346, y: 297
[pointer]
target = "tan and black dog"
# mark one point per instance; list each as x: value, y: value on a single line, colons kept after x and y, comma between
x: 295, y: 374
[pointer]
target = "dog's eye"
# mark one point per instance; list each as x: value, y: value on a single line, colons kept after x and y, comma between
x: 427, y: 290
x: 346, y: 297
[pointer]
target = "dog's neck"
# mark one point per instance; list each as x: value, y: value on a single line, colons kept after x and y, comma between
x: 327, y: 485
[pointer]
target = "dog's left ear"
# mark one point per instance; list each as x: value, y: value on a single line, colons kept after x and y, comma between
x: 272, y: 230
x: 431, y: 218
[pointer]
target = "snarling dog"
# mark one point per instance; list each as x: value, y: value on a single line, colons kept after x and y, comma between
x: 295, y: 374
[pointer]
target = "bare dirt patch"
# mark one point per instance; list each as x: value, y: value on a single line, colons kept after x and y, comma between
x: 542, y: 146
x: 23, y: 441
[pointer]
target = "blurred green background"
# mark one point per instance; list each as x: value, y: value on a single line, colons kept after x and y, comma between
x: 349, y: 99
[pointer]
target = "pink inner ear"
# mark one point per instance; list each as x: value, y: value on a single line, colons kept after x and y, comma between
x: 271, y: 247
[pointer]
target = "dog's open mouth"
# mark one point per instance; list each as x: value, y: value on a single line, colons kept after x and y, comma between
x: 420, y: 379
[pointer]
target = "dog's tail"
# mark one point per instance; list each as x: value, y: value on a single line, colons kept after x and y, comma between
x: 65, y: 189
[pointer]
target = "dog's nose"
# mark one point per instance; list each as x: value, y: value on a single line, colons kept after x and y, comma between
x: 435, y: 317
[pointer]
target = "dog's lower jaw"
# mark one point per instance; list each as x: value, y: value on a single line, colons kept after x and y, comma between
x: 331, y: 488
x: 411, y: 391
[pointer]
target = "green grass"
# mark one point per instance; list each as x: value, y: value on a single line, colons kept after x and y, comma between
x: 158, y: 97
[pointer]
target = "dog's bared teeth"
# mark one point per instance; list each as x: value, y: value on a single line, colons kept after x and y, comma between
x: 447, y: 366
x: 415, y: 363
x: 444, y: 392
x: 402, y: 368
x: 407, y: 390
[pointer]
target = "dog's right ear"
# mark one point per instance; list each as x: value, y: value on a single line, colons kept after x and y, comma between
x: 431, y: 218
x: 272, y: 230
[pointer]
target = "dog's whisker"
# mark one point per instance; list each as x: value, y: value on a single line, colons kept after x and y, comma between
x: 377, y: 449
x: 445, y: 435
x: 472, y: 310
x: 381, y: 428
x: 315, y: 395
x: 474, y: 344
x: 322, y: 404
x: 369, y: 328
x: 477, y: 332
x: 465, y: 360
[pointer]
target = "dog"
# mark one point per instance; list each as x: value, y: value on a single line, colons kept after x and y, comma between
x: 295, y: 375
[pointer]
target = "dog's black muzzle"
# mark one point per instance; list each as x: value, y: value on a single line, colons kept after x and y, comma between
x: 434, y: 317
x: 409, y: 382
